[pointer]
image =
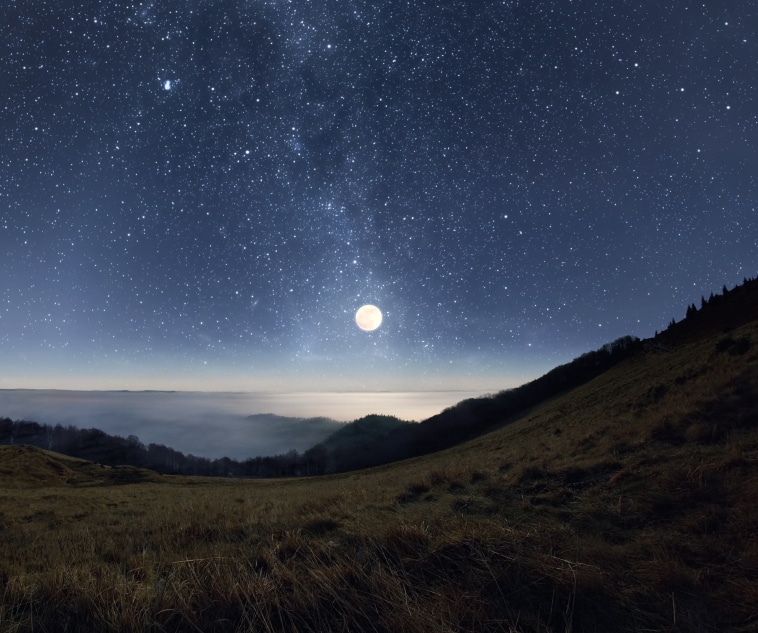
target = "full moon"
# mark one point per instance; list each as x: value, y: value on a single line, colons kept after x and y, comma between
x: 368, y: 317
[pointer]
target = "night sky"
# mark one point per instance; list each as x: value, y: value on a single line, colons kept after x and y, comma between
x: 199, y: 194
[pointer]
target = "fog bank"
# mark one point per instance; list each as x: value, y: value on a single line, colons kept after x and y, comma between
x: 218, y: 424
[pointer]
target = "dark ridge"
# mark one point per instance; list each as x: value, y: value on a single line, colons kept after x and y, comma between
x: 367, y: 429
x: 716, y: 313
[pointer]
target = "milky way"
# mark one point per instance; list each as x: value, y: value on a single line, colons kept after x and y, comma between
x: 202, y: 193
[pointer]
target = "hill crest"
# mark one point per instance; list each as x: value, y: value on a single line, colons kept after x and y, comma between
x: 25, y: 466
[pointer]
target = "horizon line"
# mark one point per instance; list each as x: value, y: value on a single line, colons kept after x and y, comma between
x: 265, y: 391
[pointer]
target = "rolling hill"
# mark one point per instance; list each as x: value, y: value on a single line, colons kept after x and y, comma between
x: 363, y: 431
x: 624, y: 504
x: 23, y: 466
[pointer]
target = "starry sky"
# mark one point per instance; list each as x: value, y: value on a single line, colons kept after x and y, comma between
x: 199, y: 194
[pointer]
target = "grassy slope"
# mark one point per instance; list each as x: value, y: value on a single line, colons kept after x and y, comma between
x: 24, y: 466
x: 628, y: 504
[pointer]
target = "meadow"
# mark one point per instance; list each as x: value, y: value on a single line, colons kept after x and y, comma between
x: 627, y: 504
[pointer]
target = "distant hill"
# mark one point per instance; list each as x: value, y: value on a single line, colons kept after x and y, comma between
x: 362, y: 431
x: 24, y: 466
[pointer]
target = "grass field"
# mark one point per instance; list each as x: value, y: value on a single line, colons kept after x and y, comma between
x: 628, y: 504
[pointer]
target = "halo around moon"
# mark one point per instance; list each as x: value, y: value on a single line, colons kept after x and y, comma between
x: 368, y: 317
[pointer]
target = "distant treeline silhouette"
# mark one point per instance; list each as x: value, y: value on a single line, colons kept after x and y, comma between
x: 113, y: 450
x: 718, y: 313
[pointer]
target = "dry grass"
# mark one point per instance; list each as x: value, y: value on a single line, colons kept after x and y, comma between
x: 628, y: 505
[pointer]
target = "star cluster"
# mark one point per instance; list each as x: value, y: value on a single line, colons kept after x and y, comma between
x: 204, y: 191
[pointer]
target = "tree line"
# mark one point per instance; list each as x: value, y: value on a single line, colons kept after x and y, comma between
x: 723, y: 312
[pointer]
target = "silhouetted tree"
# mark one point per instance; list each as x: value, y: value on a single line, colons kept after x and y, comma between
x: 315, y: 460
x: 6, y: 430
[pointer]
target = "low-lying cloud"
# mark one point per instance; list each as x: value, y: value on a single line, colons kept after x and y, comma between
x: 203, y: 424
x: 213, y: 425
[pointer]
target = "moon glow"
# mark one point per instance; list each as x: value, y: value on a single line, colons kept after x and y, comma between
x: 368, y: 318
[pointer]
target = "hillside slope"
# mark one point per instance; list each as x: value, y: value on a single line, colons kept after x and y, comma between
x: 642, y: 484
x: 476, y: 416
x: 23, y: 466
x: 627, y: 504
